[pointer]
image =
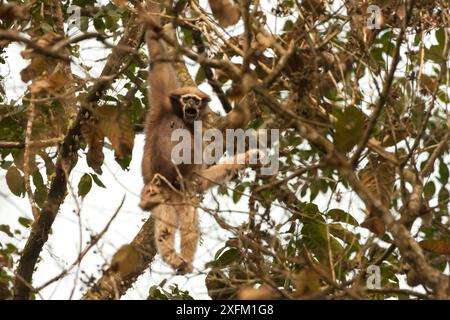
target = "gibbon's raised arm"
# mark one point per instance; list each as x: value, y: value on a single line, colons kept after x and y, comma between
x: 162, y: 79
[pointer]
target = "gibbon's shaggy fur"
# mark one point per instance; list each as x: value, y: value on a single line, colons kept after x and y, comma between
x: 169, y: 190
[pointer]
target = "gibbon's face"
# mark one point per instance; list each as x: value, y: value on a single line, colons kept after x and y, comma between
x: 189, y: 103
x: 192, y: 106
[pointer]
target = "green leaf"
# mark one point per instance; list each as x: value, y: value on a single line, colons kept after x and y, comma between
x: 342, y: 216
x: 443, y: 199
x: 434, y: 53
x: 314, y: 190
x: 311, y: 209
x: 200, y: 77
x: 237, y: 192
x: 315, y: 238
x: 429, y: 190
x: 6, y: 164
x: 187, y: 36
x: 15, y: 181
x: 124, y: 162
x: 40, y: 195
x: 385, y: 38
x: 99, y: 24
x: 155, y: 294
x: 349, y: 129
x: 6, y: 229
x: 345, y: 235
x: 377, y: 55
x: 85, y: 185
x: 440, y: 37
x: 10, y: 248
x: 228, y: 257
x: 83, y: 3
x: 97, y: 181
x: 443, y: 172
x: 288, y: 25
x: 38, y: 180
x: 25, y: 222
x: 46, y: 27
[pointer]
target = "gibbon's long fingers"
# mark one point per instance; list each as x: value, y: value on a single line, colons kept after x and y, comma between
x: 221, y: 173
x: 189, y: 230
x: 165, y: 228
x: 215, y: 175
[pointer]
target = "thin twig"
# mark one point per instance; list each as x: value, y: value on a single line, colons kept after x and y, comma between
x: 83, y: 253
x: 26, y: 160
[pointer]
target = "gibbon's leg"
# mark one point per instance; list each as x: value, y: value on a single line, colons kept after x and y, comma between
x: 151, y: 196
x: 188, y: 222
x: 166, y: 221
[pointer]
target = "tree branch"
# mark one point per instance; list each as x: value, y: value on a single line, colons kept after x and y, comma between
x: 409, y: 248
x: 66, y: 159
x: 112, y: 284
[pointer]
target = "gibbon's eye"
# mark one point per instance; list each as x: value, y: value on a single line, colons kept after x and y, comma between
x: 191, y: 100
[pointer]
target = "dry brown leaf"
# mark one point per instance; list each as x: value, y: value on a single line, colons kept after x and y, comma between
x: 316, y: 7
x: 46, y: 73
x: 374, y: 224
x: 378, y: 176
x: 118, y: 129
x: 95, y: 139
x: 428, y: 83
x: 436, y: 246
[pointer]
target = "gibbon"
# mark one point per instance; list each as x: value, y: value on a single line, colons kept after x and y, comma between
x: 170, y: 190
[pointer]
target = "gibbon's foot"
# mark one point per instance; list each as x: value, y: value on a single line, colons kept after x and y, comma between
x: 184, y: 268
x: 151, y: 196
x: 177, y: 263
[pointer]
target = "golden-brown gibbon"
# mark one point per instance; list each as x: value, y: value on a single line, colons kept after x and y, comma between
x: 170, y: 190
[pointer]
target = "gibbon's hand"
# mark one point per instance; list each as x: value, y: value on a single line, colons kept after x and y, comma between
x: 254, y: 158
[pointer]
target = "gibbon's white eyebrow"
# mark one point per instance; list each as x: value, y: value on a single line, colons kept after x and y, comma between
x: 190, y: 95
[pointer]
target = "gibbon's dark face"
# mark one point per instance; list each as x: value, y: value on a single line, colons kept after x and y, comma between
x: 190, y: 107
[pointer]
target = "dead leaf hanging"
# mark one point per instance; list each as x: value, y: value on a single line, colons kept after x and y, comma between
x: 378, y: 177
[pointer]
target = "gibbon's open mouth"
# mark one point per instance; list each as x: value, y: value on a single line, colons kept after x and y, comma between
x: 191, y: 113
